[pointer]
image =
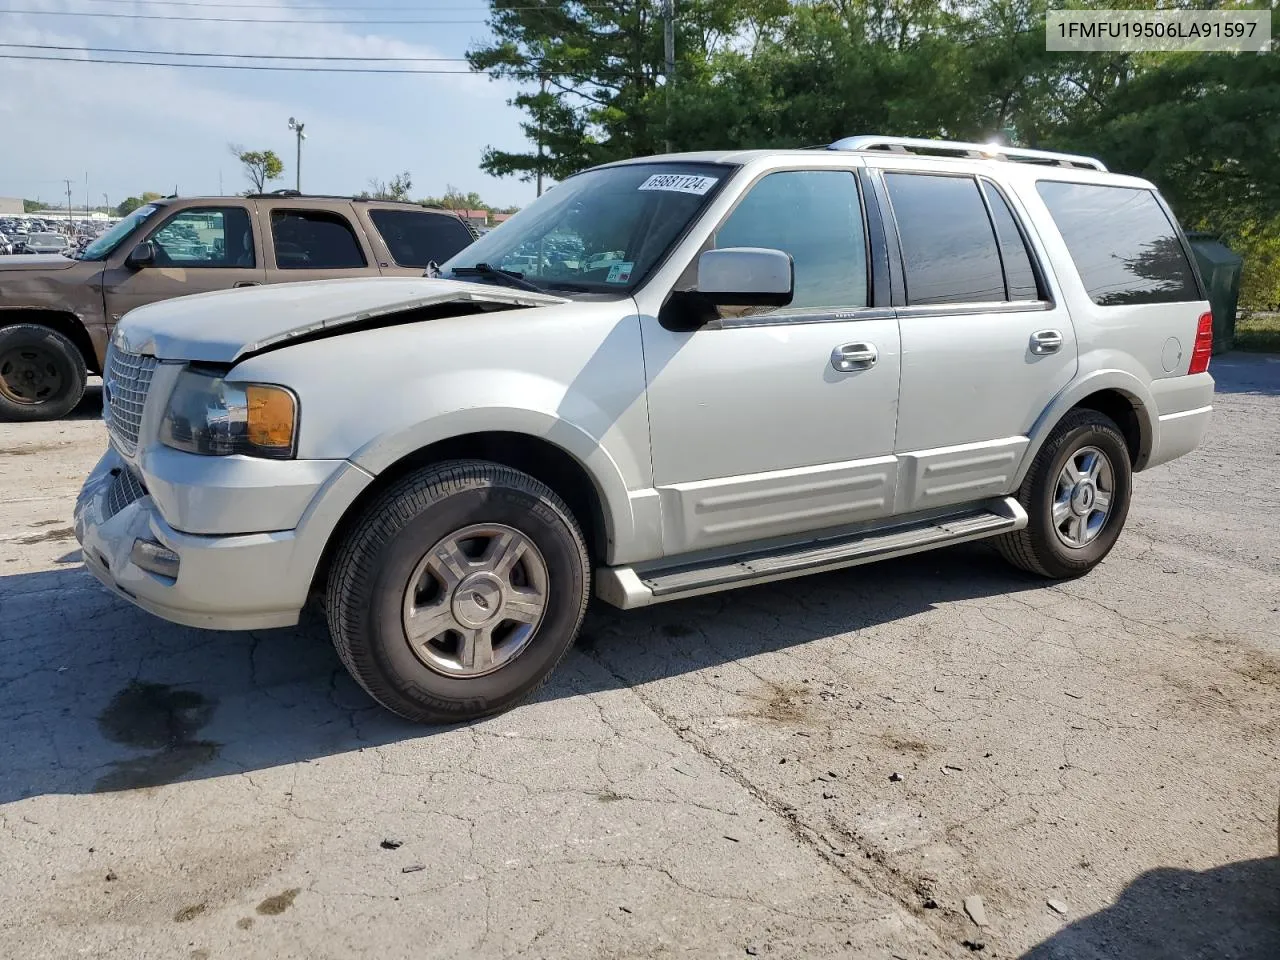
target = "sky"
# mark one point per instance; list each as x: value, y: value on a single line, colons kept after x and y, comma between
x: 136, y: 128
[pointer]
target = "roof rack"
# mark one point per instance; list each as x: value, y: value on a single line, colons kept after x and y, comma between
x: 976, y: 151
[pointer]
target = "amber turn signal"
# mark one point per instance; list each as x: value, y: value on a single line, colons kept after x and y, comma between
x: 273, y: 417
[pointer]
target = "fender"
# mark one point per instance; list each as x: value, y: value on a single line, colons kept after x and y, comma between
x: 1109, y: 377
x: 630, y: 526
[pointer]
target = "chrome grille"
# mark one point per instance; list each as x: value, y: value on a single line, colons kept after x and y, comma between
x: 124, y: 387
x: 125, y: 488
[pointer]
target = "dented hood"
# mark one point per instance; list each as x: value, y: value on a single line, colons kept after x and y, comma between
x: 225, y: 326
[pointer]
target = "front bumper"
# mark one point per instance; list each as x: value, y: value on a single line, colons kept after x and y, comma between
x: 230, y: 582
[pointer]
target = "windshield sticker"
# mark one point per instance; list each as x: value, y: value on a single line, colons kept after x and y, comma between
x: 679, y: 183
x: 619, y: 273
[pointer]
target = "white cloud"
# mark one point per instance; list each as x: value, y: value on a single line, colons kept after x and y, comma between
x: 135, y: 128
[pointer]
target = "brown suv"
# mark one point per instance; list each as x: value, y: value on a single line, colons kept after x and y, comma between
x: 56, y: 313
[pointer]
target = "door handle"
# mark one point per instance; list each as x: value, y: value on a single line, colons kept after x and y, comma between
x: 854, y: 356
x: 248, y: 283
x: 1045, y: 342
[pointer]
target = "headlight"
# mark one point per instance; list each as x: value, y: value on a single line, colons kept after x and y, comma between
x: 210, y: 416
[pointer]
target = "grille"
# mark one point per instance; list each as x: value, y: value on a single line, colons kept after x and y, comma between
x: 125, y: 488
x: 127, y: 380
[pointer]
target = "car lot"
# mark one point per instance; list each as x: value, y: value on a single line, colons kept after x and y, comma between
x: 824, y: 767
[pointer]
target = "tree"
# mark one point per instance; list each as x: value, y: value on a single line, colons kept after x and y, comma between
x: 130, y: 204
x: 260, y: 166
x: 397, y: 189
x: 597, y: 72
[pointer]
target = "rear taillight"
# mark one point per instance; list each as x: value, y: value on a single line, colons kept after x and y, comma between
x: 1203, y: 349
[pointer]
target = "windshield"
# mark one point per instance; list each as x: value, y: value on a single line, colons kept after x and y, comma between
x: 103, y: 246
x: 600, y: 231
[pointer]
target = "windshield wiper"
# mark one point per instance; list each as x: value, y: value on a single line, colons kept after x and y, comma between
x: 508, y: 277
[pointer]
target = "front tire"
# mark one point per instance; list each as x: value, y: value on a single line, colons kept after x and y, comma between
x: 458, y: 592
x: 1076, y: 495
x: 42, y: 375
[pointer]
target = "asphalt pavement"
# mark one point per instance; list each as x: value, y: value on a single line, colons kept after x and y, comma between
x: 929, y: 757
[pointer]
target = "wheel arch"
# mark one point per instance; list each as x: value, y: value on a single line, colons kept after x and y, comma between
x: 64, y: 322
x: 1117, y: 394
x: 564, y: 472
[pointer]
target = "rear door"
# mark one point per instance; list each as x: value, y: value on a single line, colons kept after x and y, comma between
x: 314, y: 242
x: 407, y: 239
x: 985, y: 342
x: 197, y: 249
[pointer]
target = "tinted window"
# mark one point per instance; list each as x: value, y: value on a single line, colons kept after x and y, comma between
x: 1123, y: 245
x: 205, y: 237
x: 314, y: 240
x: 815, y: 216
x: 1019, y: 277
x: 949, y: 251
x: 417, y: 239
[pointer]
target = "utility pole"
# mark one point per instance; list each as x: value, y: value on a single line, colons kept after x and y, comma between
x: 542, y: 92
x: 86, y: 194
x: 296, y: 127
x: 67, y: 181
x: 669, y: 49
x: 106, y: 205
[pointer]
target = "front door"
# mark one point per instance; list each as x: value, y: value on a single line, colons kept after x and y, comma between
x: 985, y: 343
x: 768, y: 423
x: 197, y: 249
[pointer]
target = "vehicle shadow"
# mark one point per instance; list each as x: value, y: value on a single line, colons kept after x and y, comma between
x: 90, y: 405
x: 1170, y: 914
x: 1240, y: 372
x: 96, y: 695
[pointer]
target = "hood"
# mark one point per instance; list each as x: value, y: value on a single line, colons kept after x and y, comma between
x: 37, y: 261
x: 225, y: 326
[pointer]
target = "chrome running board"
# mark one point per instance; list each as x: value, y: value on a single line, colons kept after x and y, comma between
x: 629, y: 587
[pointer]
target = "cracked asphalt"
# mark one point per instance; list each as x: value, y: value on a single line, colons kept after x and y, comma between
x: 822, y: 768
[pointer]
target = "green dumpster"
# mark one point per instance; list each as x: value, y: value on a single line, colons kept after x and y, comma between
x: 1220, y: 268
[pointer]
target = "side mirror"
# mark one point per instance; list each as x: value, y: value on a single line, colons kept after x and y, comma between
x: 746, y: 276
x: 143, y: 254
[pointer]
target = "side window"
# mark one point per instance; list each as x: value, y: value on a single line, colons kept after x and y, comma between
x: 949, y: 250
x: 1122, y: 243
x: 1019, y: 276
x: 205, y: 237
x: 314, y: 240
x: 816, y: 216
x: 416, y: 239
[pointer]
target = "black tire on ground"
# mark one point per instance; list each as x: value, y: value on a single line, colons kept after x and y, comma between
x: 42, y: 374
x: 372, y: 569
x: 1038, y: 548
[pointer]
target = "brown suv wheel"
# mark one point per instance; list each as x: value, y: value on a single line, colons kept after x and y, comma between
x: 42, y: 375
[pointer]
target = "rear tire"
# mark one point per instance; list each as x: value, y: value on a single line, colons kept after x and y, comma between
x: 483, y: 567
x: 42, y: 374
x: 1076, y: 495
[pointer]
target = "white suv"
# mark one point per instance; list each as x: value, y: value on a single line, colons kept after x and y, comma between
x: 709, y: 370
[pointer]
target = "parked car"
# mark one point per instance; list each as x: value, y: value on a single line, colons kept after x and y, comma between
x: 6, y: 245
x: 791, y: 362
x: 55, y: 317
x: 44, y: 243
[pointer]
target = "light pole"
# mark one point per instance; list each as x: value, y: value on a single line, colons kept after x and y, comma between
x: 296, y: 127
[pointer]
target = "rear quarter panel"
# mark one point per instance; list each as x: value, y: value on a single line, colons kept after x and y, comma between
x: 1124, y: 347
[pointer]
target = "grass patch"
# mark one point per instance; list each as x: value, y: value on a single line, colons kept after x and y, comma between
x: 1259, y: 332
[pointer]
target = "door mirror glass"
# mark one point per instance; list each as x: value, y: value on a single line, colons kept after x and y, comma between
x: 746, y: 276
x: 143, y: 254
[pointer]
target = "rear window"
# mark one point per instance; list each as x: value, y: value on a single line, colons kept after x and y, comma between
x: 949, y: 250
x: 314, y: 240
x: 1123, y: 244
x: 417, y: 239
